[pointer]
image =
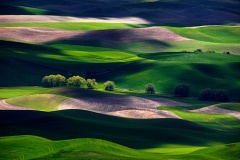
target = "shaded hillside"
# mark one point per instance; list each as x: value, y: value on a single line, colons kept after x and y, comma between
x: 178, y: 12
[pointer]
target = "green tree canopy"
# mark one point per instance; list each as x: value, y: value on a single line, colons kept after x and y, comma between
x: 150, y: 88
x: 76, y: 81
x: 109, y: 86
x: 54, y: 81
x: 182, y: 90
x: 91, y: 83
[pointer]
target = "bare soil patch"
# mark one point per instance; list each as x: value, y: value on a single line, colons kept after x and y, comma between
x: 33, y: 34
x: 131, y: 107
x: 6, y: 106
x: 216, y: 110
x: 44, y: 18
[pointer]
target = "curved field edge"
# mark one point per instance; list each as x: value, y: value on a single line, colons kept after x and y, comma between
x: 213, y: 121
x: 70, y: 124
x: 42, y: 102
x: 217, y: 34
x: 33, y: 147
x: 29, y: 147
x: 76, y: 26
x: 229, y: 106
x: 10, y: 92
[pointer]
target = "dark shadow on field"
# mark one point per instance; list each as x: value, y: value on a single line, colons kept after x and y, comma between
x: 146, y: 46
x: 29, y: 63
x: 215, y: 76
x: 178, y: 13
x: 69, y: 124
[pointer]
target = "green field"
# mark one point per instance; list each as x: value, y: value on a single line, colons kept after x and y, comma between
x: 67, y: 148
x: 229, y: 106
x: 75, y: 26
x: 46, y: 132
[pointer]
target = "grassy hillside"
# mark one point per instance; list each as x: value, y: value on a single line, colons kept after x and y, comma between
x: 92, y: 149
x: 22, y: 10
x: 164, y: 69
x: 73, y: 149
x: 10, y: 92
x: 41, y: 102
x: 217, y: 34
x: 69, y: 124
x: 229, y: 106
x: 49, y: 133
x: 178, y: 12
x: 208, y: 120
x: 75, y: 26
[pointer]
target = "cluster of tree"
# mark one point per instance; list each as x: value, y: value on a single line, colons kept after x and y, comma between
x: 227, y: 52
x: 219, y: 95
x: 181, y: 90
x: 54, y: 81
x: 198, y: 51
x: 59, y: 80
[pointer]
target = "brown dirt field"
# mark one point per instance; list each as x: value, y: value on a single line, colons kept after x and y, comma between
x: 32, y: 34
x: 142, y: 114
x: 6, y: 106
x: 44, y: 18
x: 131, y: 107
x: 216, y: 110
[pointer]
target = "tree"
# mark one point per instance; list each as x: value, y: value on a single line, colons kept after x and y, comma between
x: 76, y: 81
x: 206, y: 94
x: 54, y: 81
x: 227, y: 52
x: 109, y: 86
x: 91, y: 83
x: 198, y: 50
x: 182, y: 90
x: 221, y: 95
x: 150, y: 88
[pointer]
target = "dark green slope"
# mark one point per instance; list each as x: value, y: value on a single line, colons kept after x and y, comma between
x: 69, y: 124
x: 179, y: 12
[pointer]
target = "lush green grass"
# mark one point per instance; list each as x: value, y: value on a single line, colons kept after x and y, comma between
x: 149, y: 133
x: 217, y: 34
x: 173, y: 149
x: 166, y: 72
x: 192, y: 45
x: 41, y: 102
x: 75, y: 26
x: 230, y: 106
x: 10, y: 92
x: 226, y: 151
x: 214, y: 121
x: 129, y: 70
x: 22, y: 10
x: 29, y: 147
x: 32, y: 147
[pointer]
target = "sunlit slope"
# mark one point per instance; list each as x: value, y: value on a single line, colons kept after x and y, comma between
x: 28, y: 59
x: 75, y: 26
x: 27, y: 147
x: 42, y: 102
x: 216, y: 34
x: 165, y: 70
